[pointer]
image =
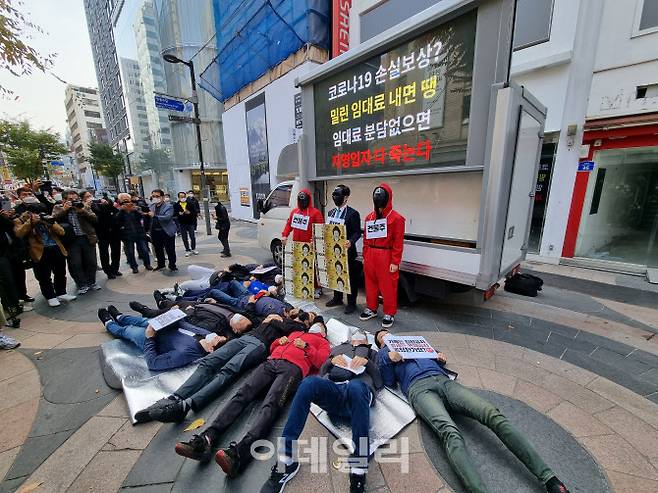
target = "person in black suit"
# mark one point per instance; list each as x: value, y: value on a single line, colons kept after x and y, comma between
x: 343, y: 214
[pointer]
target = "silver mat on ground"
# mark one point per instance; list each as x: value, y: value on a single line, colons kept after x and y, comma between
x: 124, y: 368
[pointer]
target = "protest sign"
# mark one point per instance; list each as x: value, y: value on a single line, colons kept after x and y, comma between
x: 333, y: 271
x: 167, y: 318
x: 410, y: 347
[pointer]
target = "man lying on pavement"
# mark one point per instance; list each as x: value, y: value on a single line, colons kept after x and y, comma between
x: 345, y: 388
x: 434, y: 396
x: 172, y: 347
x: 291, y: 359
x: 222, y: 366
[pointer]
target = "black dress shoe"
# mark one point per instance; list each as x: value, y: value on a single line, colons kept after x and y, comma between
x: 118, y: 274
x: 27, y: 299
x: 333, y: 302
x: 144, y: 310
x: 111, y: 276
x: 349, y: 309
x: 158, y: 267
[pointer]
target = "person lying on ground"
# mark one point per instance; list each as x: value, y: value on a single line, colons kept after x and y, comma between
x: 291, y: 359
x: 215, y: 372
x: 434, y: 397
x: 342, y: 393
x: 207, y: 314
x: 171, y: 347
x: 238, y: 296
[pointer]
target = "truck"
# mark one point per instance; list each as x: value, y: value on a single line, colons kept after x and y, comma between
x: 427, y: 107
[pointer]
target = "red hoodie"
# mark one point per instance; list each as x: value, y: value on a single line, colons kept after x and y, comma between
x: 395, y: 229
x: 315, y: 215
x: 309, y: 359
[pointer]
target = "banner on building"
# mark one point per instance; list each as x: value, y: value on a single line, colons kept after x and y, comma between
x: 333, y: 271
x: 259, y: 163
x: 299, y: 269
x: 340, y: 36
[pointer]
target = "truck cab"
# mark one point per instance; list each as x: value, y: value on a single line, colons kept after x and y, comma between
x: 274, y: 212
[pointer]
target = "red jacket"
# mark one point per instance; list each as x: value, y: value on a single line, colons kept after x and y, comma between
x: 315, y: 215
x: 395, y: 229
x: 309, y: 359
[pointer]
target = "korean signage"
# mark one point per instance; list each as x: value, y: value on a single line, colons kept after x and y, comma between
x: 244, y: 197
x: 259, y: 163
x: 405, y: 108
x: 340, y: 21
x: 298, y: 110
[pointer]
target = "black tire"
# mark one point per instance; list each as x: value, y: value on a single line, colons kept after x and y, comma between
x: 277, y: 252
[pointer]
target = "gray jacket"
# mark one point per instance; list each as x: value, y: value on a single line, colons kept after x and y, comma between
x: 165, y: 216
x: 370, y: 377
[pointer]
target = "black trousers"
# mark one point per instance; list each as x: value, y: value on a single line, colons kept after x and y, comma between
x: 82, y: 261
x: 163, y: 242
x: 8, y: 293
x: 18, y: 271
x: 109, y: 250
x: 355, y: 273
x: 188, y: 235
x: 52, y: 264
x: 222, y: 236
x: 280, y: 378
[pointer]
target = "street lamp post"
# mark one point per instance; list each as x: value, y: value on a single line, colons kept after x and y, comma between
x: 195, y: 101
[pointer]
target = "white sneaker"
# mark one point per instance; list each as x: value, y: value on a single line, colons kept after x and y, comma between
x: 83, y: 290
x: 95, y: 287
x: 187, y: 254
x: 318, y: 293
x: 7, y: 342
x: 53, y: 302
x: 195, y: 252
x: 67, y: 297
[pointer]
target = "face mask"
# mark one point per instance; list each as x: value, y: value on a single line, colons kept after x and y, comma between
x: 316, y: 329
x: 31, y: 200
x: 189, y: 195
x: 157, y: 200
x: 58, y: 197
x: 210, y: 337
x: 380, y: 198
x: 303, y: 200
x: 359, y: 336
x: 183, y: 199
x: 167, y: 199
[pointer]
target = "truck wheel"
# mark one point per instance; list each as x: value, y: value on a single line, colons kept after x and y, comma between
x: 277, y: 252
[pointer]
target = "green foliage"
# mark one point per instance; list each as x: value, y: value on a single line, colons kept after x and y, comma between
x: 16, y: 55
x: 106, y: 160
x: 26, y: 148
x: 157, y: 160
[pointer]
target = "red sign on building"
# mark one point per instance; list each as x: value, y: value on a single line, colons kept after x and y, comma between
x: 341, y: 27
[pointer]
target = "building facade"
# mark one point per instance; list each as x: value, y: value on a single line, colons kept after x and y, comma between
x: 101, y: 36
x: 613, y: 222
x: 85, y: 122
x: 140, y: 135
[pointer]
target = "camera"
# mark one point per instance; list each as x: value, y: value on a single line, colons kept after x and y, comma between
x: 46, y: 218
x: 78, y: 204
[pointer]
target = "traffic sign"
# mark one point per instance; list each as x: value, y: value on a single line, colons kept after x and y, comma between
x: 586, y: 166
x: 183, y: 119
x: 57, y: 163
x: 169, y: 104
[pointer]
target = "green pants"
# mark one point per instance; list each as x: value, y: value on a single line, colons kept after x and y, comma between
x: 435, y: 398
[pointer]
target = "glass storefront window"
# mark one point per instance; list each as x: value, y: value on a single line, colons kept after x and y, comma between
x: 542, y: 191
x: 217, y: 182
x: 620, y: 214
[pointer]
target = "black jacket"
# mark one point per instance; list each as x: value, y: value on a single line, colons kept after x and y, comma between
x: 179, y: 212
x: 128, y: 225
x: 207, y: 316
x: 106, y: 214
x: 269, y: 332
x: 352, y: 228
x: 371, y: 376
x: 223, y: 222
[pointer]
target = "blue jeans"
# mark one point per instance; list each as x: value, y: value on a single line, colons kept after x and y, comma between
x: 195, y: 294
x: 129, y: 328
x: 232, y: 295
x: 142, y: 249
x: 345, y: 400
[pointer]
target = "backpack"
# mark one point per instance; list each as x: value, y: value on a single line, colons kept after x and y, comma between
x: 524, y: 284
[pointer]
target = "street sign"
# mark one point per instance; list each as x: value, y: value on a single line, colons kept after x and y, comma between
x: 57, y: 163
x: 183, y: 119
x: 169, y: 104
x: 586, y: 166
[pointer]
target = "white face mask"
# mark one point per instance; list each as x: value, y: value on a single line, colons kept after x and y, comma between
x: 183, y: 199
x: 156, y: 200
x: 189, y: 195
x: 316, y: 329
x: 210, y: 337
x: 30, y: 199
x: 360, y: 337
x: 58, y: 197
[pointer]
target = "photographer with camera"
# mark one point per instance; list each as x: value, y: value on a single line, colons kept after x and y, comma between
x: 129, y: 226
x: 47, y: 252
x: 82, y: 245
x: 109, y: 243
x: 9, y: 291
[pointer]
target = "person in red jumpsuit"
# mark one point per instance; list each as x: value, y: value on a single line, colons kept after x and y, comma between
x: 383, y: 243
x: 301, y: 221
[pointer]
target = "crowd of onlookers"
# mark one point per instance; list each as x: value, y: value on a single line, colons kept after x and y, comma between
x: 48, y: 229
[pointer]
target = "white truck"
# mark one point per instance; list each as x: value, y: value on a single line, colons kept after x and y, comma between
x: 428, y: 108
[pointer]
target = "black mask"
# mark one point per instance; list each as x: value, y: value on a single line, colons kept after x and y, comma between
x: 339, y: 194
x: 380, y: 198
x: 303, y: 200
